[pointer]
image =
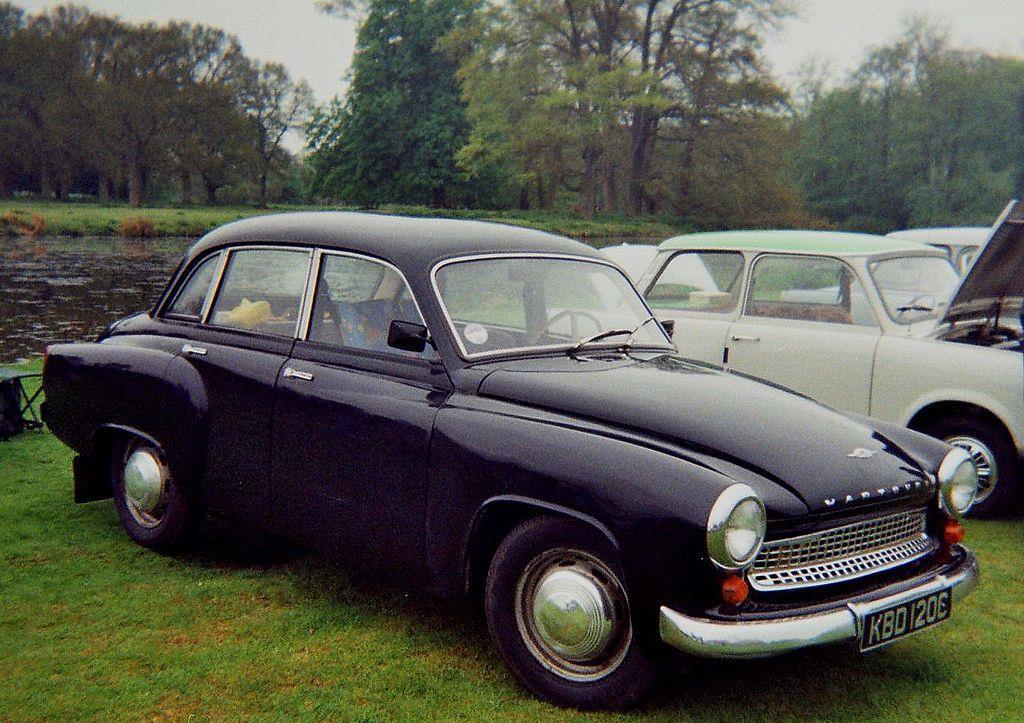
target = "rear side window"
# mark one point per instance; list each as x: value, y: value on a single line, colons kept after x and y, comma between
x: 262, y: 291
x: 808, y: 289
x: 192, y: 295
x: 698, y: 281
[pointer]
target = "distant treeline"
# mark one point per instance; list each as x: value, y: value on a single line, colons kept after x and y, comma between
x: 90, y: 104
x: 662, y: 107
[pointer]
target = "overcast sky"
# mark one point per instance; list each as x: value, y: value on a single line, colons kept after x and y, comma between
x: 318, y: 47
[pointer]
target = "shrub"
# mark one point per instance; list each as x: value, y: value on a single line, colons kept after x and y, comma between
x: 22, y: 224
x: 136, y: 227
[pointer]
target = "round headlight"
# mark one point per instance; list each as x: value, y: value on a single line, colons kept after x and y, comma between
x: 958, y: 482
x: 736, y: 527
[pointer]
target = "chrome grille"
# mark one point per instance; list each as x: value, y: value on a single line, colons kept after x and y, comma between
x: 841, y: 553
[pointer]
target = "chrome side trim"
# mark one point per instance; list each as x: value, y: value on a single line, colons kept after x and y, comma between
x: 765, y: 638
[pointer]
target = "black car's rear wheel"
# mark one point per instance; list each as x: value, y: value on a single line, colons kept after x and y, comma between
x: 153, y: 508
x: 559, y: 615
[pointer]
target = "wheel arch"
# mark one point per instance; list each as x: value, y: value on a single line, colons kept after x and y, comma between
x: 939, y: 409
x: 496, y: 518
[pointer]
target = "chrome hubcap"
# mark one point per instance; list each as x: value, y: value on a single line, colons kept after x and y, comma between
x: 572, y: 614
x: 145, y: 483
x: 985, y: 460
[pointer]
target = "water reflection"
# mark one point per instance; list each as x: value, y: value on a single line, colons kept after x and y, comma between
x: 57, y: 289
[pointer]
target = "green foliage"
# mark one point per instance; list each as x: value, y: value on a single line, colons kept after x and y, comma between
x: 922, y: 135
x: 396, y: 137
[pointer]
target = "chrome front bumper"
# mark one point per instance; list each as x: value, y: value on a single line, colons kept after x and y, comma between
x: 764, y: 638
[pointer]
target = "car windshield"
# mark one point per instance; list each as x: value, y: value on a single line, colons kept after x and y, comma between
x: 524, y: 304
x: 915, y: 288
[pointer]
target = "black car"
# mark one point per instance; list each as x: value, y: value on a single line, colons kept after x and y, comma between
x: 485, y: 410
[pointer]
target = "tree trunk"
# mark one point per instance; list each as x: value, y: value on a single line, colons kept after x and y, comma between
x: 45, y: 183
x: 186, y: 188
x: 211, y: 191
x: 136, y: 184
x: 639, y: 160
x: 263, y: 189
x: 103, y: 189
x: 524, y: 198
x: 588, y: 184
x: 64, y: 186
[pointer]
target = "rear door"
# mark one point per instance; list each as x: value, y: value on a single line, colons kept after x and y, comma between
x: 245, y: 337
x: 354, y: 417
x: 700, y: 291
x: 807, y: 325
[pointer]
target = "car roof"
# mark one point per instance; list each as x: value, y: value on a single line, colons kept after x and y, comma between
x: 412, y: 243
x: 954, y: 235
x: 833, y: 243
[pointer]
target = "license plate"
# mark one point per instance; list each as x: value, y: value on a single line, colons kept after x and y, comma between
x: 897, y: 621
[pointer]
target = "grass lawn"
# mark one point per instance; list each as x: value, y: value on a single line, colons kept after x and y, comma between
x: 87, y: 219
x: 92, y: 626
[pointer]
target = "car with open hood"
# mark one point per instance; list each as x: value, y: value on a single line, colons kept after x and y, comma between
x: 481, y: 410
x: 961, y: 243
x: 873, y: 325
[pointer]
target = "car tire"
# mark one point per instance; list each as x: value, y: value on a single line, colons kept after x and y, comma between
x: 559, y: 616
x: 993, y: 451
x: 153, y: 507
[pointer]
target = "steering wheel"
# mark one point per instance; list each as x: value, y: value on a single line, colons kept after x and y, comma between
x: 573, y: 315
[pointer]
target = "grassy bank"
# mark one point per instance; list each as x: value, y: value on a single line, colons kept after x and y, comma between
x: 80, y: 219
x: 93, y: 627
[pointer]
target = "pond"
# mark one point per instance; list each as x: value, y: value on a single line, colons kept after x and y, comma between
x: 59, y: 289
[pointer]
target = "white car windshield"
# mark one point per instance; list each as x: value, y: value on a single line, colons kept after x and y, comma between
x: 915, y: 288
x: 529, y: 303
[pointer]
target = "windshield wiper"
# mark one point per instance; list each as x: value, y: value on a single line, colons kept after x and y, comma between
x: 598, y: 337
x: 612, y: 332
x: 914, y: 307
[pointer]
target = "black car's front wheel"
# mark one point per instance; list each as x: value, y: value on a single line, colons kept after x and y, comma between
x: 154, y: 509
x: 559, y: 616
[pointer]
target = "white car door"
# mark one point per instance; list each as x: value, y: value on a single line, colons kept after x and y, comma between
x: 804, y: 327
x: 700, y: 291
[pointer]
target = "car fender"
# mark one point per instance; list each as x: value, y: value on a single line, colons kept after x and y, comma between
x: 913, y: 374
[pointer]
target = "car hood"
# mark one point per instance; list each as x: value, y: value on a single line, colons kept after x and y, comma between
x: 994, y: 286
x: 828, y: 460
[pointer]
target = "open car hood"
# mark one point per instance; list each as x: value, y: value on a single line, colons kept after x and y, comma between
x: 994, y: 286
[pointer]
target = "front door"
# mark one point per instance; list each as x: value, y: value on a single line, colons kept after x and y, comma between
x: 808, y: 326
x: 354, y: 417
x: 700, y: 291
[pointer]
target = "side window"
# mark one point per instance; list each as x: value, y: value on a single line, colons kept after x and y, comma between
x: 699, y: 281
x: 192, y: 294
x: 355, y: 302
x: 261, y: 291
x: 808, y: 289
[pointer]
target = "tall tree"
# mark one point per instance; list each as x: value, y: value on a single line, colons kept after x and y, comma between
x: 396, y: 137
x: 275, y: 105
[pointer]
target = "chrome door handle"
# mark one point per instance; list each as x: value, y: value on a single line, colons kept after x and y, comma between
x: 290, y: 373
x: 743, y: 337
x: 190, y: 349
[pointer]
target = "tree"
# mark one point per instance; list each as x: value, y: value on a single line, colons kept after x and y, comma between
x: 618, y: 76
x: 396, y: 137
x: 275, y: 105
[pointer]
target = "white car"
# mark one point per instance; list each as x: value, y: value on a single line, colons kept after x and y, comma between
x: 961, y: 243
x: 871, y: 325
x: 631, y: 258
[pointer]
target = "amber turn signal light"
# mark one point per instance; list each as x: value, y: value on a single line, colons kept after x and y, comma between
x: 952, y: 532
x: 734, y: 590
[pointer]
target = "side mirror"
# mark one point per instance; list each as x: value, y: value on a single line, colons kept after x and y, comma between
x: 669, y: 325
x: 407, y: 336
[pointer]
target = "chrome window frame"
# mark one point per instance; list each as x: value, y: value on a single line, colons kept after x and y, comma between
x: 748, y: 293
x: 164, y: 310
x: 314, y: 282
x: 467, y: 356
x: 303, y: 295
